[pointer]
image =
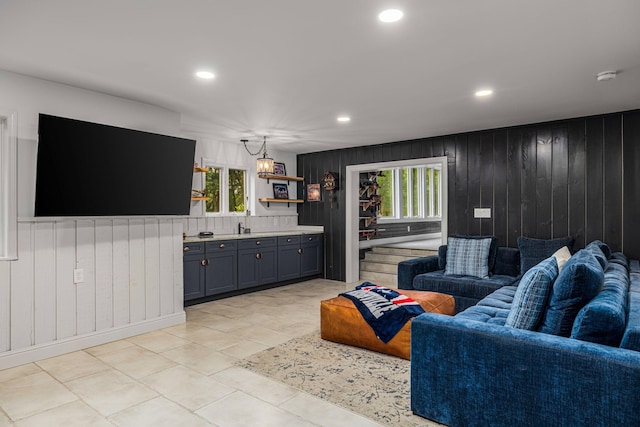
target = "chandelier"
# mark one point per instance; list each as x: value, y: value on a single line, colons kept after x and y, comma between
x: 264, y: 165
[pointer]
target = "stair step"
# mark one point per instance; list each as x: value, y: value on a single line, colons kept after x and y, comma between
x: 403, y: 251
x: 382, y: 279
x: 379, y: 267
x: 384, y: 258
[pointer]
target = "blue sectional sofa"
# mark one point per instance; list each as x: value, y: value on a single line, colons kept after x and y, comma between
x: 474, y: 369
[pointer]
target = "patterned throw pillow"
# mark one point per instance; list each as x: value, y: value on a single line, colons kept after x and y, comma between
x: 530, y: 300
x: 468, y: 257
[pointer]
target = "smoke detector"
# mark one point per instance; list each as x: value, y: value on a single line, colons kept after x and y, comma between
x: 606, y: 75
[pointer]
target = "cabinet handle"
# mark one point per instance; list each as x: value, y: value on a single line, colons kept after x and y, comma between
x: 288, y: 240
x: 258, y: 256
x: 257, y: 242
x: 185, y: 249
x: 310, y: 238
x: 204, y: 262
x: 300, y: 250
x: 221, y: 245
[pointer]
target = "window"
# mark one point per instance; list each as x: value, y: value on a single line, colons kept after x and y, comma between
x: 212, y: 190
x: 237, y: 195
x: 410, y: 193
x: 226, y: 190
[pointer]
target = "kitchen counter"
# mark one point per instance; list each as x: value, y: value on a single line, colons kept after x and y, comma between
x: 258, y: 235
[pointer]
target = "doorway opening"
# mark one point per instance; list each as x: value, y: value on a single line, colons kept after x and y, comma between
x: 407, y: 207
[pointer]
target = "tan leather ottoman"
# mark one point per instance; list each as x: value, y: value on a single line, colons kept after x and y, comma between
x: 341, y: 322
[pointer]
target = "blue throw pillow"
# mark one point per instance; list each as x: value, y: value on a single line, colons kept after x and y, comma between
x: 532, y: 251
x: 601, y: 251
x: 530, y: 300
x: 579, y: 281
x: 468, y: 257
x: 493, y: 251
x: 604, y: 318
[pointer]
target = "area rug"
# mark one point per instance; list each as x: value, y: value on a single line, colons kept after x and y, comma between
x: 368, y: 383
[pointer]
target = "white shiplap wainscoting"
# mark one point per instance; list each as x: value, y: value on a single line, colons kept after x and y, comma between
x: 132, y: 284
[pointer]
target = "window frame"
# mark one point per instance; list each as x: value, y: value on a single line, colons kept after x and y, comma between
x: 426, y: 201
x: 8, y: 186
x: 224, y: 187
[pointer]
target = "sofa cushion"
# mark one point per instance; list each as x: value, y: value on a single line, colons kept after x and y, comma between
x: 494, y: 308
x: 493, y: 251
x: 531, y: 297
x: 579, y: 281
x: 442, y: 257
x: 604, y: 318
x: 619, y: 258
x: 532, y: 251
x: 468, y: 257
x: 631, y: 337
x: 468, y: 286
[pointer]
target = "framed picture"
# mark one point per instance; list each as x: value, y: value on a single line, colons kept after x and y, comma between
x: 280, y: 191
x: 313, y: 192
x: 279, y: 168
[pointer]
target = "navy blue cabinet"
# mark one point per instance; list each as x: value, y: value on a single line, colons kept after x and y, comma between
x: 299, y: 256
x: 222, y: 267
x: 312, y: 256
x: 257, y: 262
x: 288, y: 257
x: 193, y: 266
x: 210, y: 268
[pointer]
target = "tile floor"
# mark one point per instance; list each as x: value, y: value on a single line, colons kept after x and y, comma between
x: 182, y: 375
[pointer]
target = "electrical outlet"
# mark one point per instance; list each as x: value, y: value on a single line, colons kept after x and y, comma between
x: 78, y: 275
x: 408, y: 228
x: 482, y: 212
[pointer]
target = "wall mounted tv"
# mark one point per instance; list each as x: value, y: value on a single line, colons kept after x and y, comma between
x: 89, y: 169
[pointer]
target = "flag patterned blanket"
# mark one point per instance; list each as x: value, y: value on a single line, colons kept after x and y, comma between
x: 384, y: 309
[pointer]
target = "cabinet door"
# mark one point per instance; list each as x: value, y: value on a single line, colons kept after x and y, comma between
x: 311, y: 262
x: 194, y: 275
x: 288, y: 262
x: 268, y: 266
x: 221, y: 272
x: 247, y: 268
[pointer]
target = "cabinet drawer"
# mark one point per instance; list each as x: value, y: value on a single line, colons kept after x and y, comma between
x: 257, y: 243
x: 193, y: 248
x: 310, y: 238
x: 289, y: 240
x: 221, y: 246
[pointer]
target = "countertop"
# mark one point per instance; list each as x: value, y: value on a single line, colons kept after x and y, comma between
x: 294, y: 231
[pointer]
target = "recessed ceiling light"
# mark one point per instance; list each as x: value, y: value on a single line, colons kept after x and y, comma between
x: 344, y: 119
x: 206, y: 75
x: 606, y: 75
x: 484, y: 92
x: 390, y: 15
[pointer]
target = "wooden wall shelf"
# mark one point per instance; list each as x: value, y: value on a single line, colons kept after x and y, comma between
x: 201, y: 169
x: 199, y: 198
x: 281, y: 177
x: 287, y: 201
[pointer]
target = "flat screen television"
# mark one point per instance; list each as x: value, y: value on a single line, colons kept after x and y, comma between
x: 89, y: 169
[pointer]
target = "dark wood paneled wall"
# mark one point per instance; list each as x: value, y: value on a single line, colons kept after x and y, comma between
x: 578, y: 177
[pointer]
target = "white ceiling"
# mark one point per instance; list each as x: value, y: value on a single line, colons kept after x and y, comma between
x: 288, y: 68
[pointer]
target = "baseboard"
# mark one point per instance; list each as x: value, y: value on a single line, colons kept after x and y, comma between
x: 34, y: 353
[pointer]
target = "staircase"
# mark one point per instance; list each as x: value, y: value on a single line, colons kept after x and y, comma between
x: 380, y: 265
